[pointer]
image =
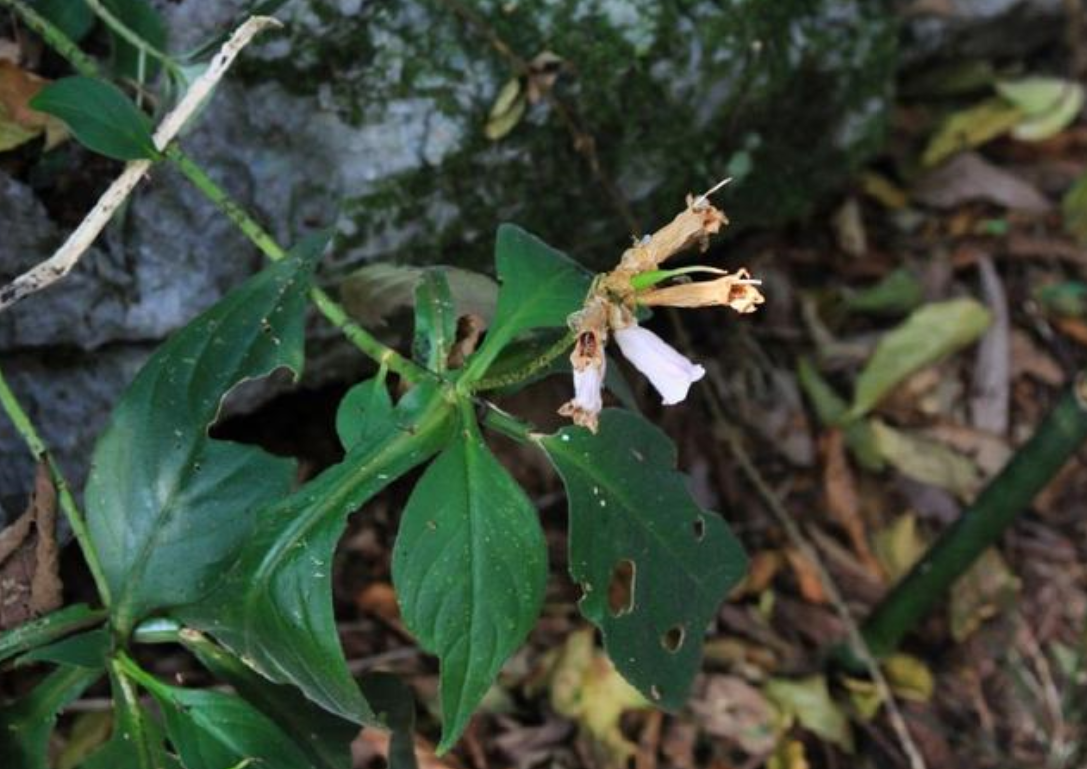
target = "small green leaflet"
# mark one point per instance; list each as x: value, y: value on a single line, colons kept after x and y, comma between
x: 435, y: 320
x: 167, y: 507
x: 100, y: 115
x: 631, y: 515
x: 137, y: 741
x: 142, y: 18
x: 48, y: 628
x: 470, y: 567
x: 364, y: 411
x: 540, y: 288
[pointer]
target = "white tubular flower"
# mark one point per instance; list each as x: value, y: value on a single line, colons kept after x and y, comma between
x: 589, y: 366
x: 670, y: 372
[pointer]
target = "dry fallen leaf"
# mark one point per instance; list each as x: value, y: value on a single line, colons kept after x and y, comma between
x: 969, y: 177
x: 807, y: 577
x: 984, y: 591
x: 18, y: 122
x: 29, y: 567
x: 843, y: 503
x: 899, y: 546
x: 586, y: 687
x: 730, y: 708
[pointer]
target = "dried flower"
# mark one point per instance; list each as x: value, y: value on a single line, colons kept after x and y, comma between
x: 615, y: 297
x: 668, y: 370
x: 736, y: 291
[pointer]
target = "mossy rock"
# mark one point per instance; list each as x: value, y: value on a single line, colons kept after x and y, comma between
x: 787, y: 96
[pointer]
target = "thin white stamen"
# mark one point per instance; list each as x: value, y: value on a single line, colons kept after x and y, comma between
x: 702, y: 199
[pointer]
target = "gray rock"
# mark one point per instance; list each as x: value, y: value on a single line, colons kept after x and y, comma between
x: 370, y: 115
x: 965, y: 29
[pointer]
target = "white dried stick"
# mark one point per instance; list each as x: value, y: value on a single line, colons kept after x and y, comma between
x: 67, y: 256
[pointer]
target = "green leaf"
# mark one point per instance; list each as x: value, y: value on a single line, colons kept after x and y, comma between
x: 809, y: 701
x: 214, y: 730
x: 541, y: 287
x: 896, y: 294
x: 273, y: 607
x: 25, y: 725
x: 100, y: 115
x: 324, y: 738
x: 435, y: 320
x: 72, y: 17
x: 1050, y: 105
x: 48, y: 628
x: 142, y: 18
x: 928, y: 461
x: 137, y: 741
x: 832, y: 411
x: 167, y: 506
x: 927, y: 336
x: 653, y: 567
x: 470, y: 567
x: 971, y: 128
x: 86, y: 650
x: 363, y: 411
x: 394, y: 705
x: 1074, y: 210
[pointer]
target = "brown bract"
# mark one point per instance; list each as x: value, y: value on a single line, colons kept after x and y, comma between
x: 735, y: 291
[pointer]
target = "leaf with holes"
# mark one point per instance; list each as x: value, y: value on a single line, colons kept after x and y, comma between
x: 100, y: 115
x: 470, y: 566
x: 167, y: 506
x: 273, y: 607
x: 540, y: 288
x: 652, y: 565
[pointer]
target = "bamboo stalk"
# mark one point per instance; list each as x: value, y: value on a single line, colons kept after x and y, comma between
x: 1058, y: 437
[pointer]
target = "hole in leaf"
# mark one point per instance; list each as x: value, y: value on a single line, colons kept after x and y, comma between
x: 621, y: 588
x: 699, y: 528
x: 673, y: 639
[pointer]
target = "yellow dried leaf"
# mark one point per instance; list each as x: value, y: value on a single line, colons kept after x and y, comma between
x: 899, y: 546
x: 909, y: 677
x: 586, y: 687
x: 507, y: 110
x: 808, y: 701
x: 984, y: 591
x: 18, y: 122
x: 971, y: 128
x: 927, y: 461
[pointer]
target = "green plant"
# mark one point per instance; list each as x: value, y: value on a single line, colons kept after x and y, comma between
x: 206, y: 543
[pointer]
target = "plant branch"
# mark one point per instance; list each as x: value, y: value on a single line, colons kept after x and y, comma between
x: 57, y: 40
x: 531, y: 368
x: 67, y: 502
x: 67, y: 256
x: 1057, y: 439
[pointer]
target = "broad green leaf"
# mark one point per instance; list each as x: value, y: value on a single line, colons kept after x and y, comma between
x: 435, y: 320
x: 1074, y: 210
x: 653, y: 567
x: 142, y: 18
x: 48, y: 628
x: 927, y: 336
x: 25, y: 725
x: 214, y: 730
x: 971, y: 128
x: 321, y: 736
x: 100, y: 115
x: 72, y: 17
x: 364, y: 411
x: 273, y: 607
x: 808, y: 700
x: 470, y: 567
x: 167, y: 507
x: 540, y: 288
x: 86, y: 650
x: 394, y: 705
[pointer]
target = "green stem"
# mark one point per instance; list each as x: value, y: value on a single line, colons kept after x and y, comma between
x: 262, y: 239
x: 528, y: 370
x: 1056, y: 440
x: 68, y: 505
x: 132, y: 38
x: 57, y: 40
x: 507, y: 424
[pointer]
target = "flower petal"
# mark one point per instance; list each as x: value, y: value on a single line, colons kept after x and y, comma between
x: 670, y: 372
x: 588, y: 400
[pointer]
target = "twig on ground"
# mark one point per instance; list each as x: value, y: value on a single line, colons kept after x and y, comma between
x: 67, y: 256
